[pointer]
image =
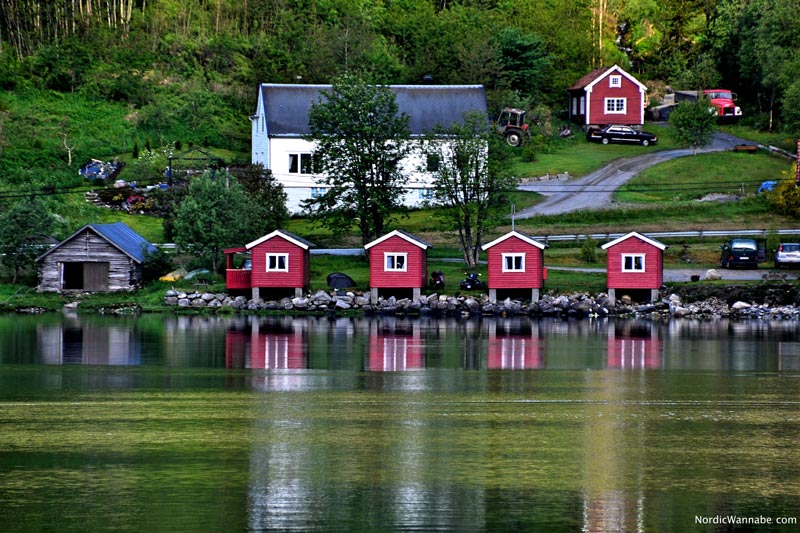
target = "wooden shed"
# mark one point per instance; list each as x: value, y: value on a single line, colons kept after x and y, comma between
x: 634, y: 263
x: 96, y: 258
x: 515, y: 261
x: 607, y: 95
x: 398, y: 261
x: 279, y: 260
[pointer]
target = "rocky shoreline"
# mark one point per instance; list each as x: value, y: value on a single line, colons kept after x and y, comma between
x: 766, y: 301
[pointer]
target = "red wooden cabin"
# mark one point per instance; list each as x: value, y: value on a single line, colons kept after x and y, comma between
x: 278, y: 261
x: 607, y: 96
x: 398, y: 261
x: 515, y: 261
x: 634, y: 263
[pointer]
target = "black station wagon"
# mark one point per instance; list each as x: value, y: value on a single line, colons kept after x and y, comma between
x: 741, y: 252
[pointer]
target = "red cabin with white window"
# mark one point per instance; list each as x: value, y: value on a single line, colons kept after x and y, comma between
x: 278, y: 260
x: 398, y: 261
x: 634, y: 263
x: 607, y: 95
x: 515, y: 261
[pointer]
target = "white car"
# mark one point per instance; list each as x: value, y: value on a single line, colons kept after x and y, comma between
x: 787, y: 254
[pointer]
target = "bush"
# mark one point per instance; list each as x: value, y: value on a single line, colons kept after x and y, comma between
x: 589, y: 250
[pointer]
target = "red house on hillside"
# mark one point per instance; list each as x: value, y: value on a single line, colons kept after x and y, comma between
x: 607, y: 96
x: 398, y: 261
x: 634, y: 263
x: 515, y: 261
x: 278, y: 261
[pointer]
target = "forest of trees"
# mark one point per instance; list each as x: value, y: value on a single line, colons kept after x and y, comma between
x: 89, y: 79
x: 138, y: 50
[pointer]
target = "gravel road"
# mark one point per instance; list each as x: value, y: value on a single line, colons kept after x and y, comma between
x: 594, y: 190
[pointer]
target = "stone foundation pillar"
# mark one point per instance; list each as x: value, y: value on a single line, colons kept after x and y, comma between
x: 255, y: 295
x: 534, y: 295
x: 612, y: 296
x: 493, y: 295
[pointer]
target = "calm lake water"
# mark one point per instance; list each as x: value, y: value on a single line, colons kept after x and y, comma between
x: 164, y: 423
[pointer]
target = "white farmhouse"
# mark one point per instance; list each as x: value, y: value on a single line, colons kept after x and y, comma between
x: 280, y: 124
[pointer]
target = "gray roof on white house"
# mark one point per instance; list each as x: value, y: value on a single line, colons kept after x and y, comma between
x: 287, y: 105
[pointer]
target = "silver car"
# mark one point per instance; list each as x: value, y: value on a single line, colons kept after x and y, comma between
x: 787, y: 254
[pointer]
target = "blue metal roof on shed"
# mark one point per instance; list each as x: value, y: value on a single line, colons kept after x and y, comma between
x: 427, y: 106
x: 126, y: 239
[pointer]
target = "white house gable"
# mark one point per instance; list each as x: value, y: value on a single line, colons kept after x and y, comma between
x: 280, y: 124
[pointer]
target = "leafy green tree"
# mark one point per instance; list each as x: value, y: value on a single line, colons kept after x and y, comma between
x: 472, y: 178
x: 267, y: 193
x: 216, y: 213
x: 524, y: 60
x: 694, y: 123
x: 24, y: 228
x: 361, y: 140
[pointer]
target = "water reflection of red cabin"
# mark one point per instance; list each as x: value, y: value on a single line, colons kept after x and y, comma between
x: 277, y: 261
x: 395, y: 348
x: 636, y: 347
x: 279, y: 348
x: 514, y: 348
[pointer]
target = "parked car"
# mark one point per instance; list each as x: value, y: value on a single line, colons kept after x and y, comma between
x: 620, y: 134
x: 741, y: 252
x: 787, y: 254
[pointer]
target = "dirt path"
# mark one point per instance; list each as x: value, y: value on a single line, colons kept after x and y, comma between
x: 594, y: 190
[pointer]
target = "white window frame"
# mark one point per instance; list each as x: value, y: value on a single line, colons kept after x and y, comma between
x: 278, y: 259
x: 512, y: 266
x: 425, y: 194
x: 629, y: 263
x: 390, y: 262
x: 615, y: 81
x: 300, y: 157
x: 316, y: 192
x: 612, y: 106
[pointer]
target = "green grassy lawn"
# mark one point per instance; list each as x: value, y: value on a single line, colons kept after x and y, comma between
x: 579, y: 157
x: 693, y: 177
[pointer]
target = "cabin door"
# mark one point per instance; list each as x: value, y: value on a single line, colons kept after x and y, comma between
x: 85, y: 276
x: 95, y: 276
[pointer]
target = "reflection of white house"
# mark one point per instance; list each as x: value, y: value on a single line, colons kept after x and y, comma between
x: 281, y: 122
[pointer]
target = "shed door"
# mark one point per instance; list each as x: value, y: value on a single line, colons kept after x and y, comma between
x: 95, y: 276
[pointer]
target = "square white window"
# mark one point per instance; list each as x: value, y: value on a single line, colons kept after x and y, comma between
x: 513, y: 262
x: 299, y: 163
x: 316, y: 192
x: 394, y: 262
x: 633, y: 262
x: 425, y: 194
x: 277, y: 262
x: 615, y: 81
x: 615, y: 106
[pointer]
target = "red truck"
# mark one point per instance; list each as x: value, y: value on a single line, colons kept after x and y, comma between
x: 722, y: 102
